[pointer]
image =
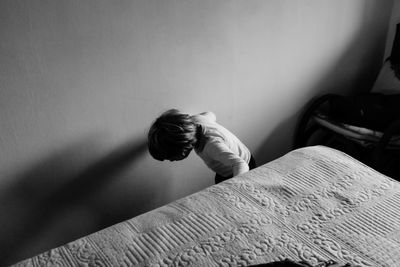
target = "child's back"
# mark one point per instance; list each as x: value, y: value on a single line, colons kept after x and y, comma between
x: 221, y: 150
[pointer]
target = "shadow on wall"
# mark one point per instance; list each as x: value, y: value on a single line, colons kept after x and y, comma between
x: 50, y: 191
x: 353, y: 72
x: 268, y: 150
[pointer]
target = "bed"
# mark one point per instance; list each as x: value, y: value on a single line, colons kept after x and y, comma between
x: 313, y: 204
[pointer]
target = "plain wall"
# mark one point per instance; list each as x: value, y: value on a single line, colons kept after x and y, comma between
x: 81, y: 82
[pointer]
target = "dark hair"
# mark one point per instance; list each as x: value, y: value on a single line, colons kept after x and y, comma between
x: 172, y: 136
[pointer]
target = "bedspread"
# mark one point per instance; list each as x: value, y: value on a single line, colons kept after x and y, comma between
x: 312, y: 204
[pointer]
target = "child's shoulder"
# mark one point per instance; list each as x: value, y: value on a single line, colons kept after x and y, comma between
x: 205, y: 117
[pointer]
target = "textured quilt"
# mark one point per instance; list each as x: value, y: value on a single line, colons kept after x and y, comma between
x: 313, y: 204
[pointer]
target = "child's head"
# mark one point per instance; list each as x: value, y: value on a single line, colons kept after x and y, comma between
x: 172, y: 136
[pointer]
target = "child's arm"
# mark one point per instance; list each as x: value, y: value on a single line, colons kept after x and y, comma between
x: 240, y: 168
x: 220, y: 152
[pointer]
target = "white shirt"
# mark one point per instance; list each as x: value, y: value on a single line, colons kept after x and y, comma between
x: 221, y: 151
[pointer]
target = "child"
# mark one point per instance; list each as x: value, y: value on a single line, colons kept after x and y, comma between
x: 174, y: 134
